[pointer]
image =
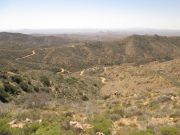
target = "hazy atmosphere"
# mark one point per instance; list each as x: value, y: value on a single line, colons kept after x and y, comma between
x: 89, y: 67
x: 89, y: 14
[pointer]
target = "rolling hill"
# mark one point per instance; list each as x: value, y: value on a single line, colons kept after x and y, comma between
x: 88, y: 85
x: 55, y: 52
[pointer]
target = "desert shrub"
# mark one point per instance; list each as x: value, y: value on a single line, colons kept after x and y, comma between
x: 2, y: 69
x: 9, y: 88
x: 3, y: 125
x: 18, y: 79
x: 116, y: 111
x: 71, y: 80
x: 84, y: 98
x: 148, y: 132
x: 105, y: 97
x: 5, y: 109
x: 36, y: 89
x: 6, y: 130
x: 31, y: 128
x: 3, y: 95
x: 154, y: 105
x: 3, y: 99
x: 25, y: 87
x: 132, y: 111
x: 102, y: 124
x: 3, y: 75
x: 59, y: 78
x: 169, y: 131
x: 14, y: 70
x: 45, y: 81
x: 36, y: 100
x: 114, y: 117
x: 65, y: 125
x: 49, y: 129
x: 5, y: 133
x: 45, y: 89
x: 33, y: 114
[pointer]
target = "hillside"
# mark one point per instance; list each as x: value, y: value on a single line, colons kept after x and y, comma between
x: 114, y: 100
x: 53, y: 53
x: 67, y: 85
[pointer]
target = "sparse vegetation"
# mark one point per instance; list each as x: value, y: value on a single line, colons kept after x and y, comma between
x: 102, y: 124
x: 45, y: 81
x: 142, y: 133
x: 17, y: 79
x: 60, y: 90
x: 169, y: 131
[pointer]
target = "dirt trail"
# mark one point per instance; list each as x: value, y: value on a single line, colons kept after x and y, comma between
x: 82, y: 72
x: 33, y: 53
x: 62, y: 70
x: 103, y: 80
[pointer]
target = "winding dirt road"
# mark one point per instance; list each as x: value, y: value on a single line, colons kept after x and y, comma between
x: 103, y: 80
x: 33, y: 53
x: 62, y: 70
x: 82, y: 72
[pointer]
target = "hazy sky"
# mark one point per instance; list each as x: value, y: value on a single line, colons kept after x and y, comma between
x: 101, y: 14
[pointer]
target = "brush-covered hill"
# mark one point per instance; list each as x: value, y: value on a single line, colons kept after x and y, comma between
x: 51, y: 52
x: 23, y: 40
x: 127, y: 86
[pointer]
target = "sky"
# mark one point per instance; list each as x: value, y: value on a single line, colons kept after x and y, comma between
x: 89, y: 14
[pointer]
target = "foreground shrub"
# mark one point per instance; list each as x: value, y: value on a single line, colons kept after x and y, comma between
x: 45, y: 81
x: 71, y: 80
x: 9, y: 88
x: 36, y: 100
x: 102, y: 124
x: 3, y: 94
x: 148, y: 132
x: 3, y: 126
x: 49, y: 129
x: 33, y: 114
x: 169, y: 131
x: 18, y: 79
x: 25, y: 87
x: 5, y: 133
x: 32, y: 128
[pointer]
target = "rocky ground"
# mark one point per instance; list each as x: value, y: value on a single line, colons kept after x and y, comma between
x: 118, y: 100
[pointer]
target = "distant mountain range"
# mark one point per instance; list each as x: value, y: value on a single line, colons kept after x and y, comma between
x: 76, y: 52
x: 122, y: 32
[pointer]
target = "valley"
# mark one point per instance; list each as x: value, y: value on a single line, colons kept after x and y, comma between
x: 68, y: 85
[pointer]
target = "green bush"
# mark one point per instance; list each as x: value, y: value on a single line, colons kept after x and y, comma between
x: 102, y: 124
x: 2, y: 69
x: 33, y: 114
x: 18, y: 79
x: 32, y: 128
x: 169, y: 131
x: 3, y: 126
x: 148, y: 132
x: 5, y: 133
x: 45, y: 81
x: 49, y: 129
x: 6, y: 130
x: 25, y: 87
x: 84, y: 98
x: 9, y: 88
x: 3, y: 95
x: 71, y: 80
